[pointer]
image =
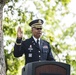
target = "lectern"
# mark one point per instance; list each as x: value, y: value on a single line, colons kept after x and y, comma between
x: 46, y: 68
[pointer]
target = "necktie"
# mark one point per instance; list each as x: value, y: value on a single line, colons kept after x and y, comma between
x: 37, y: 42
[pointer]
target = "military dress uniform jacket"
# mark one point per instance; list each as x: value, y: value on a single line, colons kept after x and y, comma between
x: 32, y: 51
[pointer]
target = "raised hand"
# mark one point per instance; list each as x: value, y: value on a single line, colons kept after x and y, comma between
x: 19, y: 33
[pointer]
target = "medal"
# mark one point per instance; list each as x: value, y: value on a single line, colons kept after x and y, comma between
x: 30, y: 48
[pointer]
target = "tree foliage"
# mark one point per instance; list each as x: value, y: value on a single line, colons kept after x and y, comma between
x: 20, y: 13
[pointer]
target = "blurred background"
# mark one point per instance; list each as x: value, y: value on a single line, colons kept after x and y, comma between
x: 59, y: 29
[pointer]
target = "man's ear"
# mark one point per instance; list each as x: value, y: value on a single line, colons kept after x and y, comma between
x: 31, y: 29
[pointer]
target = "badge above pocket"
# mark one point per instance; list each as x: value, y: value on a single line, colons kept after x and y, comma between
x: 45, y: 48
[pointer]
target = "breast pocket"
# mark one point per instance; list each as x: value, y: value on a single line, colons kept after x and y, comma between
x: 45, y: 50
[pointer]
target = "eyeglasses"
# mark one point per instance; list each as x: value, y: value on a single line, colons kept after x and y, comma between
x: 38, y: 28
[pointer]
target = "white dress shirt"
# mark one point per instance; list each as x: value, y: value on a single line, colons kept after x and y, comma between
x: 36, y: 39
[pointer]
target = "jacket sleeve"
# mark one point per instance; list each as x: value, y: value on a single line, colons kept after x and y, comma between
x: 50, y: 55
x: 18, y: 49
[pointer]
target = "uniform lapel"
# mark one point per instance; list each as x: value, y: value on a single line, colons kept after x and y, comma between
x: 34, y: 43
x: 41, y: 44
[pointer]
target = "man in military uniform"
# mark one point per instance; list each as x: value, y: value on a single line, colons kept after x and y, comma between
x: 34, y: 48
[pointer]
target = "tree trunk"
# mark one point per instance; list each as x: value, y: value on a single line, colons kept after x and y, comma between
x: 2, y: 56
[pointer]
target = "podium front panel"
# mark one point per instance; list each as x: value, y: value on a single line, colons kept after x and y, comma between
x: 50, y: 70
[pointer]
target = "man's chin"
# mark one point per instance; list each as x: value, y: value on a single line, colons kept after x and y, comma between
x: 39, y: 36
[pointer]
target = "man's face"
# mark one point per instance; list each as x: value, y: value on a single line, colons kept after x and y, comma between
x: 36, y: 32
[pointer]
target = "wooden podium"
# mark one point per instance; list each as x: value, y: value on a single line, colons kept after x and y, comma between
x: 46, y: 68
